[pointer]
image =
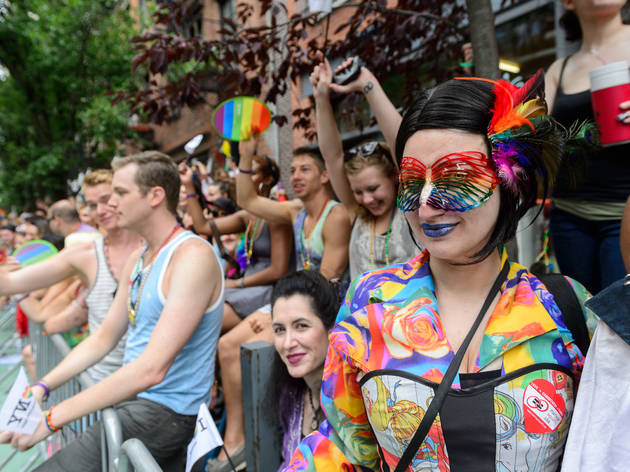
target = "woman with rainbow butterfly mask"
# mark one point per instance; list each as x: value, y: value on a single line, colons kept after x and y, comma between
x: 458, y: 359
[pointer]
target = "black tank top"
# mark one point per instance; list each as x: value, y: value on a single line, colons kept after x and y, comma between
x: 607, y: 177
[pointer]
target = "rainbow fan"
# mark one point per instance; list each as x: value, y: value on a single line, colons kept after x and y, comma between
x: 240, y: 118
x: 33, y: 252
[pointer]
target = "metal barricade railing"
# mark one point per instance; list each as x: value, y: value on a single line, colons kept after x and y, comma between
x: 49, y: 351
x: 9, y: 344
x: 135, y: 452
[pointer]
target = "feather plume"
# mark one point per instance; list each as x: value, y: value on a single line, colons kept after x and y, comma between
x: 532, y: 89
x: 532, y: 108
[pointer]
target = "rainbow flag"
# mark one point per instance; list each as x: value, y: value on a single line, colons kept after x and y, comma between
x: 240, y: 118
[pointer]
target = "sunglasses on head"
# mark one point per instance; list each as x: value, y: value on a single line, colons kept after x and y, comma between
x: 456, y: 182
x: 364, y: 150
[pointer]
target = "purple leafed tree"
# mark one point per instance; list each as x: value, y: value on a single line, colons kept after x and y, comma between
x: 417, y: 41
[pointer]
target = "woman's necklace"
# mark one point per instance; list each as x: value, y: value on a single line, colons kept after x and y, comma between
x: 133, y: 309
x: 389, y: 232
x: 249, y: 248
x: 316, y: 411
x: 307, y: 263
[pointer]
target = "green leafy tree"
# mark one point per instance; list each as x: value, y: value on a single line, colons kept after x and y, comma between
x: 58, y: 60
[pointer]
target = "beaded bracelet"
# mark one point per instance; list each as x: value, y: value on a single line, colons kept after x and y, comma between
x: 243, y: 171
x: 45, y: 388
x: 49, y: 423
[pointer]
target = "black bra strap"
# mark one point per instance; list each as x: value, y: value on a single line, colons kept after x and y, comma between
x: 447, y: 380
x: 564, y: 64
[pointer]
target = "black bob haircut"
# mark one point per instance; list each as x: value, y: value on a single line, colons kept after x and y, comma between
x: 466, y: 105
x: 320, y: 292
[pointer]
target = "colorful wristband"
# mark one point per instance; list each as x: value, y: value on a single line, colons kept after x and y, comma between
x: 191, y: 195
x: 45, y: 388
x: 243, y: 171
x: 49, y: 423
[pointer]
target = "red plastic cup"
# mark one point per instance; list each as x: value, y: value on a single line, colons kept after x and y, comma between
x: 610, y: 85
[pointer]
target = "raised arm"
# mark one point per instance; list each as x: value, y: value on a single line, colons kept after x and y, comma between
x: 248, y: 198
x: 387, y: 116
x: 234, y: 223
x: 227, y: 224
x: 336, y: 237
x: 328, y: 136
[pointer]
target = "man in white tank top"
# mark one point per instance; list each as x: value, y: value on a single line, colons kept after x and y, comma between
x: 97, y: 265
x: 169, y: 357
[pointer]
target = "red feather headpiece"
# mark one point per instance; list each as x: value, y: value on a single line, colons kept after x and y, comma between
x: 511, y: 131
x: 513, y: 106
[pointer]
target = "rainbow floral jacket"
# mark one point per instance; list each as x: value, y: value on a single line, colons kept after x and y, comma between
x: 388, y: 352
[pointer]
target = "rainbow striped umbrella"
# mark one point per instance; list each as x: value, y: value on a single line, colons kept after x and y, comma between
x: 34, y: 251
x: 240, y: 118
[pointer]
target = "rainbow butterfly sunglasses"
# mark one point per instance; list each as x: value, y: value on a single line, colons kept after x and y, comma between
x: 459, y: 181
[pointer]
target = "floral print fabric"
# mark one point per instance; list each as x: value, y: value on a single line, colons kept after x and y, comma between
x: 390, y: 321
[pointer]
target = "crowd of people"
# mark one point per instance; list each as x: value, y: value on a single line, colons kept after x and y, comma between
x: 406, y: 337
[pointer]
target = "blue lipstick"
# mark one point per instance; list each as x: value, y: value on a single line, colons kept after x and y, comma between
x: 437, y: 231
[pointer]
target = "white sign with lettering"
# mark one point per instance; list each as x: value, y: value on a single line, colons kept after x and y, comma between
x: 206, y: 438
x: 20, y: 412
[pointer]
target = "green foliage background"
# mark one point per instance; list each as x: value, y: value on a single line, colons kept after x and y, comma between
x: 60, y: 57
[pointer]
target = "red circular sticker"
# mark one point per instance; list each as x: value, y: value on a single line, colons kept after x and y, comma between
x: 543, y: 406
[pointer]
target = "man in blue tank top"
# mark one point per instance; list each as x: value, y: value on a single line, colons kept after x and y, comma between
x: 169, y: 300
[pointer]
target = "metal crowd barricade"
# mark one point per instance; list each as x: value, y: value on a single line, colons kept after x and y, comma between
x: 49, y: 351
x: 135, y: 452
x: 9, y: 344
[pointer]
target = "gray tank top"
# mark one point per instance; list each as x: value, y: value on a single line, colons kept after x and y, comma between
x: 401, y: 245
x: 98, y: 300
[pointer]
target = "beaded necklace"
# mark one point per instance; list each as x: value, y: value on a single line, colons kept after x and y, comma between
x: 249, y: 248
x: 106, y: 244
x: 132, y: 309
x: 389, y: 232
x: 307, y: 263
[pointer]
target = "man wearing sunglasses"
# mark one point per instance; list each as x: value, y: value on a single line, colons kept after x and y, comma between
x: 169, y: 302
x: 98, y: 265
